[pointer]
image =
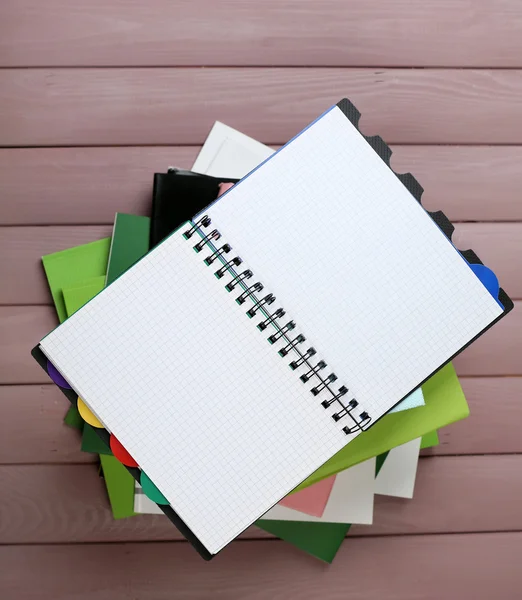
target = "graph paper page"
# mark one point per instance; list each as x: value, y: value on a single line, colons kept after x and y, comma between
x: 171, y: 364
x: 342, y: 244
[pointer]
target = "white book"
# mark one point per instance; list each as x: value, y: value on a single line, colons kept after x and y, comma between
x: 398, y: 472
x: 350, y: 501
x: 356, y: 297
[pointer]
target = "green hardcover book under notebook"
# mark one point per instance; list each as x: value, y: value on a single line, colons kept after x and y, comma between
x: 75, y: 276
x: 75, y: 265
x: 118, y: 481
x: 67, y: 268
x: 129, y: 243
x: 445, y: 403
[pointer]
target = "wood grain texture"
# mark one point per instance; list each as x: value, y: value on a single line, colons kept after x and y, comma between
x: 409, y: 568
x: 67, y: 503
x: 87, y: 107
x: 26, y: 246
x: 21, y: 328
x: 85, y: 186
x: 493, y: 426
x: 295, y: 32
x: 499, y: 245
x: 32, y: 428
x: 497, y: 352
x: 33, y: 413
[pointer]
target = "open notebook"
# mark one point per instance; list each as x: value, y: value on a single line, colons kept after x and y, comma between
x: 258, y: 340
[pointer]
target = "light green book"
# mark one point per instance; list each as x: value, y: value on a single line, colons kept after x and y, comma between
x: 72, y: 266
x: 68, y: 268
x: 76, y: 296
x: 129, y: 242
x: 445, y: 403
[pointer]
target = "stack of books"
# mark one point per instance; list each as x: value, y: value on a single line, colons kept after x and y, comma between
x: 273, y: 344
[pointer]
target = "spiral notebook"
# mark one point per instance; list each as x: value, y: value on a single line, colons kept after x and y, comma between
x: 262, y: 337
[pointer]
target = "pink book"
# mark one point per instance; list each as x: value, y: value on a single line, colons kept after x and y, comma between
x: 312, y: 500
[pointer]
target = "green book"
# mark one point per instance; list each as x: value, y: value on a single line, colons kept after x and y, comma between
x: 77, y: 295
x: 75, y: 276
x: 118, y: 481
x: 126, y: 248
x: 429, y: 440
x: 91, y: 441
x: 75, y: 265
x: 130, y: 242
x: 445, y: 403
x: 68, y: 268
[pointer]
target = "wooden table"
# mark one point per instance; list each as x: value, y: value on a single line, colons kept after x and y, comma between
x: 94, y: 97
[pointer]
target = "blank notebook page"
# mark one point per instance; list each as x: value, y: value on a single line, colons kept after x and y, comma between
x: 171, y: 364
x: 330, y: 230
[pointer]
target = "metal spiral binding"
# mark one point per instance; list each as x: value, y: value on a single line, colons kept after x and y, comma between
x: 322, y: 384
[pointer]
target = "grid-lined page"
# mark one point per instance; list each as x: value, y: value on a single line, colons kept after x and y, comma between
x: 172, y: 365
x: 328, y: 226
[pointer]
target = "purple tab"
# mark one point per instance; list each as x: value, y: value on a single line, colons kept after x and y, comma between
x: 56, y: 376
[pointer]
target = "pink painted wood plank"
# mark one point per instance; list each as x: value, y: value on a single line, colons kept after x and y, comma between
x: 67, y: 503
x: 75, y: 107
x: 88, y: 185
x: 493, y: 426
x: 451, y: 494
x: 82, y: 185
x: 176, y: 32
x: 32, y: 428
x: 474, y: 566
x: 499, y: 245
x: 25, y: 246
x: 34, y: 414
x: 497, y: 352
x: 374, y: 568
x: 21, y: 328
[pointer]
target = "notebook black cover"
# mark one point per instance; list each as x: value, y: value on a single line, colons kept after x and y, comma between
x: 177, y: 196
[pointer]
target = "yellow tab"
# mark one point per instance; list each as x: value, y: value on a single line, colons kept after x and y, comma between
x: 87, y: 415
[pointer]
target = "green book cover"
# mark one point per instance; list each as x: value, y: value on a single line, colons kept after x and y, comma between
x: 77, y: 295
x: 445, y: 403
x: 130, y: 242
x: 429, y: 440
x: 120, y: 487
x: 91, y: 441
x: 118, y: 481
x: 69, y: 267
